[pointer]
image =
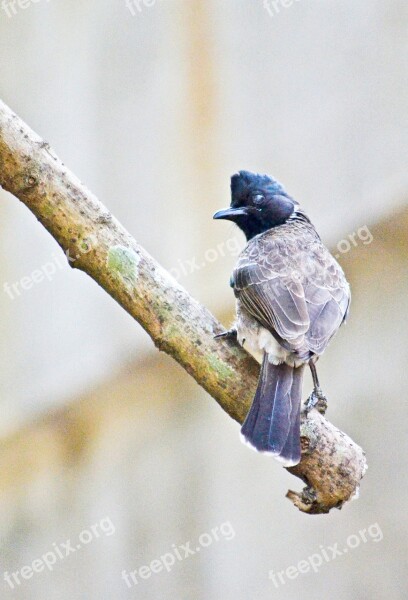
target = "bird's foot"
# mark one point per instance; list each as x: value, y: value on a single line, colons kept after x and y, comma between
x: 231, y: 334
x: 316, y: 400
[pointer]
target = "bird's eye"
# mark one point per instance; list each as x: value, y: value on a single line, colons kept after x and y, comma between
x: 258, y: 200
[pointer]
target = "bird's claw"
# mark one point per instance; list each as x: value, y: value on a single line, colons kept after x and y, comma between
x: 316, y: 400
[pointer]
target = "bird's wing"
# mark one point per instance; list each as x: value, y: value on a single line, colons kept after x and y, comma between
x: 294, y: 289
x: 263, y: 282
x: 328, y: 300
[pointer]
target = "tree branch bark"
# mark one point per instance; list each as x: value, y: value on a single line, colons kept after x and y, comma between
x: 95, y: 242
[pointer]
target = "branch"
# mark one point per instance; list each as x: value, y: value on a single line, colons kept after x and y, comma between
x: 95, y: 242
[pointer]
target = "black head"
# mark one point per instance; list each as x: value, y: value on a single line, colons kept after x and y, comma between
x: 258, y: 203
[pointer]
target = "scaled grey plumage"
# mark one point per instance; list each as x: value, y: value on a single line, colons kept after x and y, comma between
x: 290, y: 283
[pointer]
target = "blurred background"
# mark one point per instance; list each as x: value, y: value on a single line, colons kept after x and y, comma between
x: 154, y: 104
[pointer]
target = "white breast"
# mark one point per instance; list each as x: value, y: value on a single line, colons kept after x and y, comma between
x: 257, y: 340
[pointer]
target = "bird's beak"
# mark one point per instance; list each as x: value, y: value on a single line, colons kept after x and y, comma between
x: 230, y: 213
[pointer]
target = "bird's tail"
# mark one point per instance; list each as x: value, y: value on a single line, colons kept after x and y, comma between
x: 273, y: 422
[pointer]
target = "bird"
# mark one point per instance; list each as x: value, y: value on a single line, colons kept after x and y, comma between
x: 292, y: 296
